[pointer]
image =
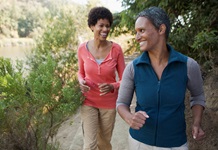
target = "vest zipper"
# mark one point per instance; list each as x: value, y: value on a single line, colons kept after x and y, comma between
x: 158, y: 107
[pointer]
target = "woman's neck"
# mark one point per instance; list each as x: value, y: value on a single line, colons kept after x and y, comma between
x: 159, y: 56
x: 97, y: 44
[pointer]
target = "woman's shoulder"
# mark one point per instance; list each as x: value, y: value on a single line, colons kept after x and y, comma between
x: 192, y: 62
x: 116, y: 47
x: 114, y: 44
x: 82, y: 45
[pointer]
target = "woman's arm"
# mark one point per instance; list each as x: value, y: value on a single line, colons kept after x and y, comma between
x: 197, y: 100
x: 126, y: 91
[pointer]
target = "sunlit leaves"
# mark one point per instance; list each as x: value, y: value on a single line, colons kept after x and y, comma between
x: 194, y: 24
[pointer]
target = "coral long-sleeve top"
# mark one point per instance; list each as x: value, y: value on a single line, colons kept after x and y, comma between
x: 105, y: 72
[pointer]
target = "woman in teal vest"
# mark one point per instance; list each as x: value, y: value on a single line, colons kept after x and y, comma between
x: 159, y: 78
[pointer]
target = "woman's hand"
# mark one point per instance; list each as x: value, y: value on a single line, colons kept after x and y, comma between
x: 197, y: 132
x: 84, y: 88
x: 105, y: 88
x: 137, y: 120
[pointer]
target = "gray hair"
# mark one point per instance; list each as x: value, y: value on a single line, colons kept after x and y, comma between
x: 157, y: 16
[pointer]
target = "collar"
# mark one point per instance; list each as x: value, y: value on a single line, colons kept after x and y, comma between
x: 174, y: 57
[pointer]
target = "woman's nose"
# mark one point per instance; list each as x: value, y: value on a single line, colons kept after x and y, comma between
x: 137, y: 36
x: 105, y: 28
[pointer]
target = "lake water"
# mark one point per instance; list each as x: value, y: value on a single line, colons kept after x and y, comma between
x: 14, y: 53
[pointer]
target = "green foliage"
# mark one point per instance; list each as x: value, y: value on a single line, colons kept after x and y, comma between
x: 33, y: 106
x: 8, y: 22
x: 205, y: 48
x: 12, y: 99
x: 194, y: 24
x: 24, y: 27
x: 58, y: 33
x: 21, y: 18
x: 58, y: 41
x: 32, y: 19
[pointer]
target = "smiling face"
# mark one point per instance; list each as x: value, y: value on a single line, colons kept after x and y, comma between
x: 101, y: 29
x: 147, y: 35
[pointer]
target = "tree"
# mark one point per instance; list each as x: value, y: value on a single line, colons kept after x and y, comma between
x: 194, y: 25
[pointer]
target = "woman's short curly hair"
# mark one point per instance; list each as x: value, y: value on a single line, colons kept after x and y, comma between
x: 97, y: 13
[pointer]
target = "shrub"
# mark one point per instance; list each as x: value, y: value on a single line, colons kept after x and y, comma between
x: 34, y: 102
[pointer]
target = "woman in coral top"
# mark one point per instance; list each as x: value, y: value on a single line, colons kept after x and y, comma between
x: 101, y: 65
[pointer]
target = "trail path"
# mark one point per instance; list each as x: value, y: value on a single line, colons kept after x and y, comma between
x: 70, y: 134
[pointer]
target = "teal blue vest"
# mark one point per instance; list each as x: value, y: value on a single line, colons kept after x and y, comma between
x: 162, y: 100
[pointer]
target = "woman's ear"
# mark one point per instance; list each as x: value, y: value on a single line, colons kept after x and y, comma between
x: 162, y: 29
x: 92, y: 28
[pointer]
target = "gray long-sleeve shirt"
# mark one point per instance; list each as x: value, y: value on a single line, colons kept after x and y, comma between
x: 195, y: 83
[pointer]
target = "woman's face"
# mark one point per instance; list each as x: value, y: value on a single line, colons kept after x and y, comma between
x: 101, y: 29
x: 146, y: 34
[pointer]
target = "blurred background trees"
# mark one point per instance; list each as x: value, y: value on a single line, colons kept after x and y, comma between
x: 194, y: 26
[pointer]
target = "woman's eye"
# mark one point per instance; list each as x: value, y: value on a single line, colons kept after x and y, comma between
x: 142, y: 30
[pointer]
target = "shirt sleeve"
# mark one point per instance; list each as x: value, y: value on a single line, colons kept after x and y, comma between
x: 195, y: 83
x: 120, y: 67
x: 81, y: 72
x: 126, y: 90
